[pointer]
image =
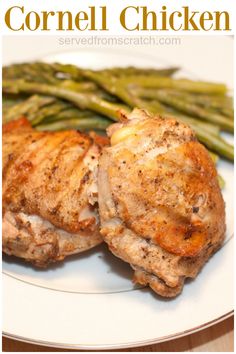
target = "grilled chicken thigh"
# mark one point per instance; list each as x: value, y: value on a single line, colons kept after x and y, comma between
x: 160, y: 204
x: 49, y: 193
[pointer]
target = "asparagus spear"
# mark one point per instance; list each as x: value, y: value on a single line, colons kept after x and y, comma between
x: 112, y: 86
x: 216, y: 104
x: 78, y: 124
x: 54, y: 109
x: 180, y: 84
x: 38, y: 72
x: 196, y: 111
x: 211, y: 101
x: 81, y: 100
x: 109, y: 83
x: 88, y: 86
x: 132, y: 70
x: 42, y: 72
x: 208, y: 101
x: 70, y: 113
x: 40, y: 108
x: 79, y: 86
x: 28, y: 108
x: 75, y: 72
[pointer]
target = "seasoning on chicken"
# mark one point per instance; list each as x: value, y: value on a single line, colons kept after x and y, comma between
x: 160, y: 204
x: 49, y: 193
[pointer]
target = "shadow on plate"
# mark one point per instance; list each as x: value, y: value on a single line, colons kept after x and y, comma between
x: 114, y: 264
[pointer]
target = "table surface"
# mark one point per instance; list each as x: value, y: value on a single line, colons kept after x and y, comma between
x: 218, y: 338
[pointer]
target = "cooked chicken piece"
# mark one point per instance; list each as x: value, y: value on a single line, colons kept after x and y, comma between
x: 49, y: 193
x: 160, y: 204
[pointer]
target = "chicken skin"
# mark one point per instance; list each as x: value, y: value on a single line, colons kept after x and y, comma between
x: 49, y: 193
x: 160, y: 203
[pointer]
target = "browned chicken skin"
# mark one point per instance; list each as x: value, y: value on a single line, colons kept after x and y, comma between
x: 49, y: 193
x: 160, y: 204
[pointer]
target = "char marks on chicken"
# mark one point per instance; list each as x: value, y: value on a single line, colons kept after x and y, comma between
x: 49, y: 193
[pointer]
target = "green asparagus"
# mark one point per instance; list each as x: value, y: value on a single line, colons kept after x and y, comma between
x: 28, y: 108
x: 78, y: 124
x: 194, y: 110
x: 180, y: 84
x: 81, y: 100
x: 131, y: 70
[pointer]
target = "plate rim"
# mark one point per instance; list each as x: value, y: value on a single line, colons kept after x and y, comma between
x: 120, y: 345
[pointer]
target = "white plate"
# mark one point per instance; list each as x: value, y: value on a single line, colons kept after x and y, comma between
x: 89, y: 301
